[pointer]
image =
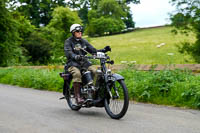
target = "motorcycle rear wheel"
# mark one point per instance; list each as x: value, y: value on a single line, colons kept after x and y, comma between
x: 116, y: 107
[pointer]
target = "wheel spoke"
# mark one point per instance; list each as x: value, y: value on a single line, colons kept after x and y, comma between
x: 117, y: 104
x: 116, y: 107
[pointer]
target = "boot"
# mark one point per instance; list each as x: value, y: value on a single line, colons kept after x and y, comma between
x: 77, y: 87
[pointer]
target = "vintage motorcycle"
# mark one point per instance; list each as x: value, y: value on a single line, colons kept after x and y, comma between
x: 108, y: 91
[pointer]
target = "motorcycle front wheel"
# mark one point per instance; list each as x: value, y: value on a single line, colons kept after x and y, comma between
x: 117, y: 105
x: 71, y: 99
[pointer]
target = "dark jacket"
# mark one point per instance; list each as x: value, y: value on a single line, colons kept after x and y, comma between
x: 71, y: 50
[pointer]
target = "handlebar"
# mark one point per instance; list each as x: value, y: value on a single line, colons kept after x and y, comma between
x: 95, y: 57
x: 106, y: 57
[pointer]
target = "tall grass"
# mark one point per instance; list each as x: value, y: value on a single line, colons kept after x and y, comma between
x: 141, y: 46
x: 44, y: 79
x: 168, y: 87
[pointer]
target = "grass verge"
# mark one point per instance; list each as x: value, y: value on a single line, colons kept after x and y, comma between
x: 43, y: 79
x: 167, y: 87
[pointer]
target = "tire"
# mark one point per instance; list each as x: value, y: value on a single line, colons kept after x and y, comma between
x: 120, y: 106
x: 71, y: 99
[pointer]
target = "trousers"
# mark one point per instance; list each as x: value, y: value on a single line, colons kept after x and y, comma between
x: 76, y: 74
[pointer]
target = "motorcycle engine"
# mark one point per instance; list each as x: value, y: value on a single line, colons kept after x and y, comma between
x: 87, y: 78
x: 87, y: 91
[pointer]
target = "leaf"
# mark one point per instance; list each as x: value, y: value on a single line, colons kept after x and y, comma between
x: 146, y: 94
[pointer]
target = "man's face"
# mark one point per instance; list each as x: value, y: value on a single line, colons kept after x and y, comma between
x: 78, y: 34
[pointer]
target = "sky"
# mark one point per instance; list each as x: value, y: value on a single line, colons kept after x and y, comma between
x: 151, y: 12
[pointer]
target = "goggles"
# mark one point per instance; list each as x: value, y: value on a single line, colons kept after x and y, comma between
x: 78, y: 29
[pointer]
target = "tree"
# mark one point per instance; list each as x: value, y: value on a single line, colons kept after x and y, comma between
x: 84, y: 6
x: 132, y: 1
x: 24, y: 26
x: 187, y: 16
x: 38, y: 11
x: 110, y: 8
x: 187, y: 19
x: 107, y: 18
x: 14, y: 28
x: 58, y: 29
x: 127, y: 17
x: 62, y: 19
x: 83, y: 13
x: 103, y: 25
x: 129, y: 20
x: 37, y: 48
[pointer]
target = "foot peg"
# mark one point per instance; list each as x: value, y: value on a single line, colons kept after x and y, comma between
x: 88, y: 100
x: 61, y: 98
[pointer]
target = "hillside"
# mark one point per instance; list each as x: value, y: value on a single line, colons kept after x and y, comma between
x: 146, y: 46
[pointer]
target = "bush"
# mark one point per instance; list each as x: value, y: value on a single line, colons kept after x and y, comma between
x: 37, y: 48
x: 170, y: 87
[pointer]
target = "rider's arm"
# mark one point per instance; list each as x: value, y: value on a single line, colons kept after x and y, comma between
x: 90, y: 48
x: 68, y: 50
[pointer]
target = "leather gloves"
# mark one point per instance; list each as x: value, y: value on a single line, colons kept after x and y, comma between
x: 107, y: 48
x: 78, y: 58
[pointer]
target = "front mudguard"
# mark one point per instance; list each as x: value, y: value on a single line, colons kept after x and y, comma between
x: 117, y: 77
x: 110, y: 80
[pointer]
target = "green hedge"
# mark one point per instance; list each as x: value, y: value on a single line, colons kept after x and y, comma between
x: 168, y: 87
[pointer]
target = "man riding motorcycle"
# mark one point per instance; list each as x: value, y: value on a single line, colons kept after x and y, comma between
x: 75, y: 48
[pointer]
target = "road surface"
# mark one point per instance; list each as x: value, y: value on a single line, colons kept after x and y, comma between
x: 25, y: 110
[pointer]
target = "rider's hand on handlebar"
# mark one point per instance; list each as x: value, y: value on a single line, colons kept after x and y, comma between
x: 107, y: 48
x: 78, y: 58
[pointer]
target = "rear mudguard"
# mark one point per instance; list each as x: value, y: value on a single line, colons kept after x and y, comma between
x: 65, y: 87
x: 67, y: 77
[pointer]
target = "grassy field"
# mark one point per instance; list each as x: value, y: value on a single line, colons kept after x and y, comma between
x: 141, y: 46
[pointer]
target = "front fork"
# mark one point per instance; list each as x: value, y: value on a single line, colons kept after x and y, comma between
x: 109, y: 88
x: 116, y: 92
